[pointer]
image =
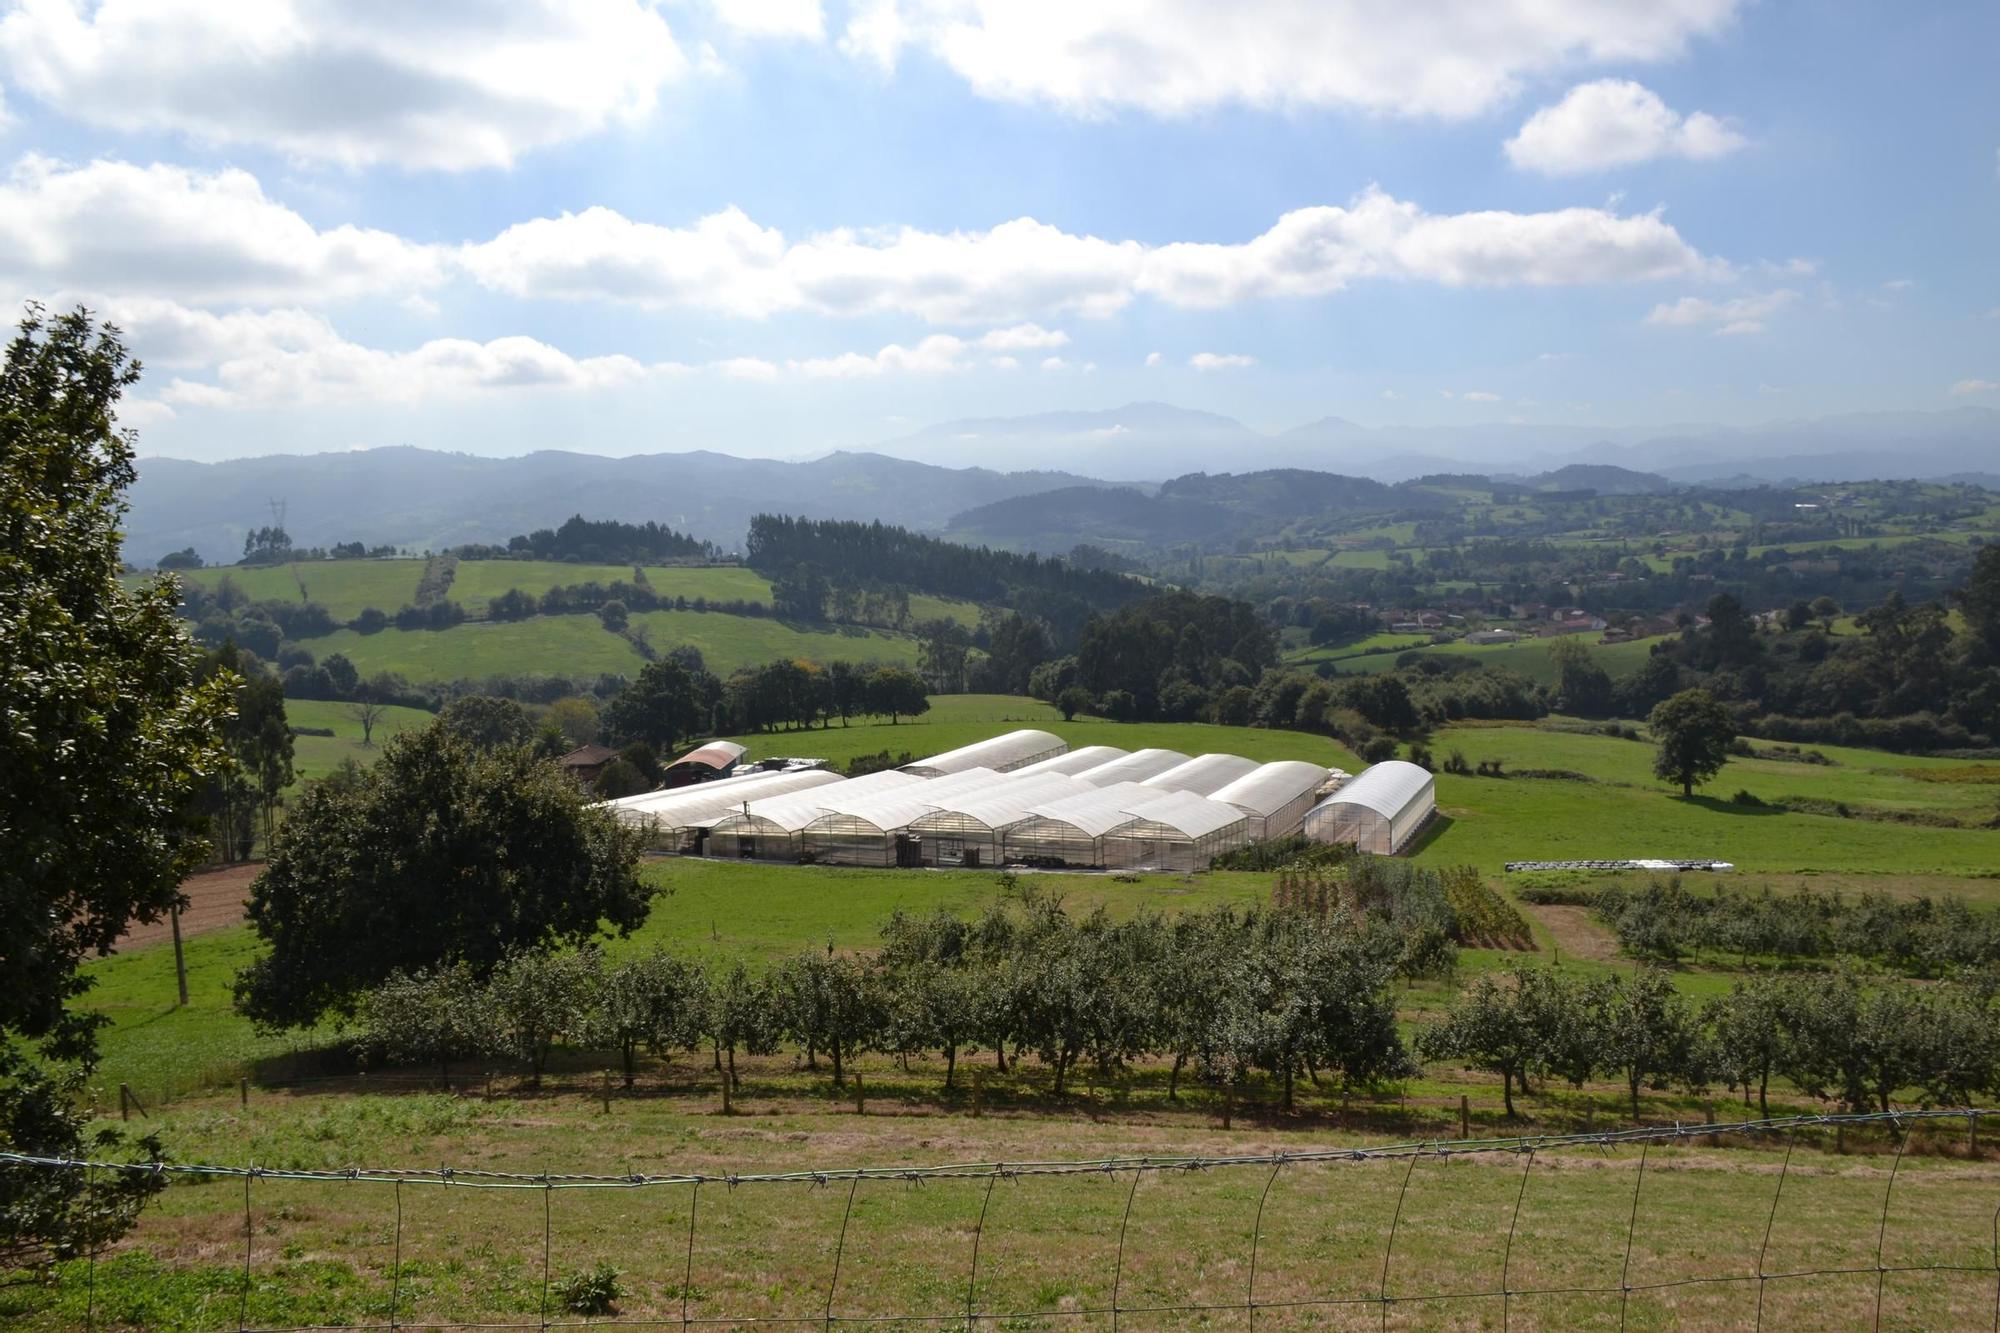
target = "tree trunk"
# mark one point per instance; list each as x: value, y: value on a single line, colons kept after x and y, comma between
x: 1764, y: 1096
x: 950, y: 1062
x: 1174, y: 1079
x: 631, y: 1063
x: 734, y: 1082
x: 1288, y: 1085
x: 1633, y: 1082
x: 834, y: 1048
x: 1000, y: 1055
x: 1507, y: 1091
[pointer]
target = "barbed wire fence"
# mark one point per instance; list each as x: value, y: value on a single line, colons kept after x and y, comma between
x: 1954, y: 1214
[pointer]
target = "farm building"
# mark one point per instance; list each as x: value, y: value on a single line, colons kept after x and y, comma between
x: 1074, y: 762
x: 717, y: 759
x: 1202, y: 774
x: 1002, y: 754
x: 678, y: 819
x: 1275, y: 797
x: 1380, y: 811
x: 1134, y: 767
x: 1176, y: 830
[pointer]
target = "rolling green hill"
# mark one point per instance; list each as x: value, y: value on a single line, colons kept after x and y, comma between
x: 317, y: 756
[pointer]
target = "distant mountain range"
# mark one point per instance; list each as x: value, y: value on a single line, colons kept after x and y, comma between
x: 424, y: 499
x: 1154, y: 441
x: 427, y: 499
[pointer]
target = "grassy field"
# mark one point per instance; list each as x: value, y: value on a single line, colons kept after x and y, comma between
x: 554, y: 645
x: 1625, y: 812
x: 343, y: 587
x: 317, y: 756
x: 729, y: 642
x: 956, y: 720
x: 479, y: 581
x: 1530, y: 657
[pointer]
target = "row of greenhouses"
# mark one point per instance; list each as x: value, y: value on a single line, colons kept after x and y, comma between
x: 1023, y: 798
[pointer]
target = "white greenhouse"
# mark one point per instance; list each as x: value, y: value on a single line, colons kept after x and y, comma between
x: 1002, y: 754
x: 1275, y: 797
x: 675, y: 818
x: 1073, y: 762
x: 1174, y: 830
x: 1134, y: 767
x: 970, y: 829
x: 874, y: 829
x: 1380, y: 811
x: 772, y: 829
x: 1203, y: 773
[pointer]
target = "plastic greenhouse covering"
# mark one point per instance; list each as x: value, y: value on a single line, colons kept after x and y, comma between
x: 1002, y: 754
x: 1275, y: 796
x: 1379, y: 811
x: 1203, y: 774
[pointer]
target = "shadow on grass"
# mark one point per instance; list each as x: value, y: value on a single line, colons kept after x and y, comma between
x: 1721, y: 807
x: 1432, y: 831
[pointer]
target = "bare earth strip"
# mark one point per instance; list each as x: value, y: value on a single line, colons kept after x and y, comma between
x: 215, y: 901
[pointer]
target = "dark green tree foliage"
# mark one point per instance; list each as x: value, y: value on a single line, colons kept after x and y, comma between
x: 1209, y: 643
x: 607, y: 542
x: 487, y: 723
x: 667, y: 704
x: 654, y: 1002
x: 441, y: 853
x: 1693, y: 732
x: 876, y: 554
x: 431, y: 1016
x: 106, y: 740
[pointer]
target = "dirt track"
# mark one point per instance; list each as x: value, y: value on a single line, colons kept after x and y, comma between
x: 215, y: 900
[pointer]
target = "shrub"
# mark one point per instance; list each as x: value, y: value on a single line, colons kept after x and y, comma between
x: 1744, y: 796
x: 590, y: 1291
x: 1421, y: 756
x: 1379, y: 749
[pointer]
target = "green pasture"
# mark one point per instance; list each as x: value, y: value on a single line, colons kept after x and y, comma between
x: 956, y: 720
x: 344, y: 587
x: 317, y: 756
x: 479, y: 581
x: 1626, y: 813
x: 1530, y: 657
x: 546, y: 645
x: 729, y: 642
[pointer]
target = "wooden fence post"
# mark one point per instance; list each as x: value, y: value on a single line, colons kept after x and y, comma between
x: 605, y: 1092
x: 978, y: 1088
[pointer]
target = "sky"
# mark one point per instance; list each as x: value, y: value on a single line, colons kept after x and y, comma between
x: 779, y: 227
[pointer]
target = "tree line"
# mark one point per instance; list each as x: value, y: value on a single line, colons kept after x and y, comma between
x: 1665, y: 920
x: 1833, y: 1035
x: 598, y: 542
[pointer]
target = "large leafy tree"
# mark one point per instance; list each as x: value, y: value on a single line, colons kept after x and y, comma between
x: 1693, y: 732
x: 106, y: 738
x: 441, y: 853
x: 666, y: 704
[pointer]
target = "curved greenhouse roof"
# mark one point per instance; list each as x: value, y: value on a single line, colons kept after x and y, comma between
x: 1134, y: 767
x: 1002, y: 754
x: 687, y: 807
x: 1269, y: 788
x: 1185, y: 813
x: 1203, y: 774
x: 795, y: 810
x: 1387, y: 788
x: 1073, y: 762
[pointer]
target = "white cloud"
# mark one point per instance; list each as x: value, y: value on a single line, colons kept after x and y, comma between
x: 1452, y: 58
x: 189, y: 235
x: 1053, y: 363
x: 1154, y: 358
x: 285, y: 358
x: 1022, y: 269
x: 1964, y: 387
x: 1615, y: 123
x: 1390, y: 395
x: 1024, y: 337
x: 747, y: 368
x: 1742, y: 314
x: 936, y: 355
x: 1899, y: 284
x: 795, y: 19
x: 426, y: 85
x: 1479, y: 396
x: 1221, y: 361
x: 1005, y: 363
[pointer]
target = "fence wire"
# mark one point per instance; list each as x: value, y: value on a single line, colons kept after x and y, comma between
x: 1505, y: 1295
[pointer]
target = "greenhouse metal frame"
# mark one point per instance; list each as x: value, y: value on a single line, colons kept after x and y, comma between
x: 868, y: 831
x: 671, y: 817
x: 1175, y: 830
x: 771, y: 830
x: 1379, y: 811
x: 971, y: 829
x: 1275, y: 796
x: 1070, y: 831
x: 1002, y: 754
